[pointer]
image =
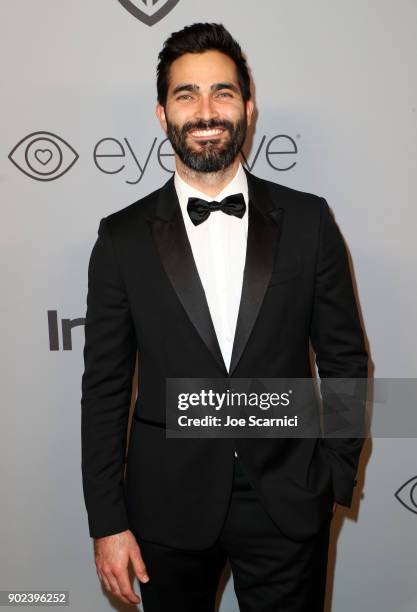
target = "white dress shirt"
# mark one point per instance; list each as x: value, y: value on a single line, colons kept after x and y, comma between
x: 219, y: 250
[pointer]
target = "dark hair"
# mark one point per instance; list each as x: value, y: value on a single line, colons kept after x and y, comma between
x: 197, y: 38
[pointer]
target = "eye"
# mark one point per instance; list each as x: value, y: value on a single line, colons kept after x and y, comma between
x: 184, y: 96
x: 407, y: 494
x: 225, y: 94
x: 43, y: 156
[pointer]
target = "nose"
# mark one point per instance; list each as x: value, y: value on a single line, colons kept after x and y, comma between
x: 206, y: 109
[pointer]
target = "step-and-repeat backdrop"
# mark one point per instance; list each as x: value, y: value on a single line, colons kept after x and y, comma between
x: 336, y: 93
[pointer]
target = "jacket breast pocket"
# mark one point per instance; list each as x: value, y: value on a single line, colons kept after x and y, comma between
x: 285, y: 273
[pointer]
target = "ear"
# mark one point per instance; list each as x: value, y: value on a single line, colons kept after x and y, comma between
x: 160, y: 113
x: 249, y: 110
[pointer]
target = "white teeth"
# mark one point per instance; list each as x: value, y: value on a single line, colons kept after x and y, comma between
x: 207, y: 132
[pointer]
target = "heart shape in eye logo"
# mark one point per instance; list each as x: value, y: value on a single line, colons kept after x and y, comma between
x: 43, y: 156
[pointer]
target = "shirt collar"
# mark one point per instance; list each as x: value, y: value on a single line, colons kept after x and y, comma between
x: 238, y: 184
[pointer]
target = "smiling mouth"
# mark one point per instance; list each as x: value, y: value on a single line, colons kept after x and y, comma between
x: 206, y: 134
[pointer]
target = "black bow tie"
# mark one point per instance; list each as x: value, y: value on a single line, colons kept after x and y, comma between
x: 199, y: 210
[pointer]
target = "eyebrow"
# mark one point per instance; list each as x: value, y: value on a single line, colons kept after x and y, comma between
x: 195, y: 88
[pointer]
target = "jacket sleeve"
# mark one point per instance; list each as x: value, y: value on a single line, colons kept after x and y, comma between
x: 109, y: 361
x: 338, y: 341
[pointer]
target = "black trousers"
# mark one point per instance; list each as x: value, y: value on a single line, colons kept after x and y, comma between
x: 270, y: 572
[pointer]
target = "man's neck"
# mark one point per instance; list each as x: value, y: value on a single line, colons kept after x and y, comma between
x: 210, y: 183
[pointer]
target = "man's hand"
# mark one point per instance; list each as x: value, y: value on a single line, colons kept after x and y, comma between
x: 112, y: 554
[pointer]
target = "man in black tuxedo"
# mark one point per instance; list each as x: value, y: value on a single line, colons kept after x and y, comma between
x: 217, y: 274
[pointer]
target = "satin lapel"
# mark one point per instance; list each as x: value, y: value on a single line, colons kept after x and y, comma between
x: 175, y: 251
x: 264, y: 226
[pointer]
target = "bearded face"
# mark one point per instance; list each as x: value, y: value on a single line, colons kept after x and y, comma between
x: 205, y: 116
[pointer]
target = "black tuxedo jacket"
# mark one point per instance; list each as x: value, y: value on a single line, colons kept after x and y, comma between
x: 145, y: 297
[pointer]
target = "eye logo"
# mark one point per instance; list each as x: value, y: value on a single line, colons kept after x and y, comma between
x: 149, y: 11
x: 40, y: 156
x: 407, y: 494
